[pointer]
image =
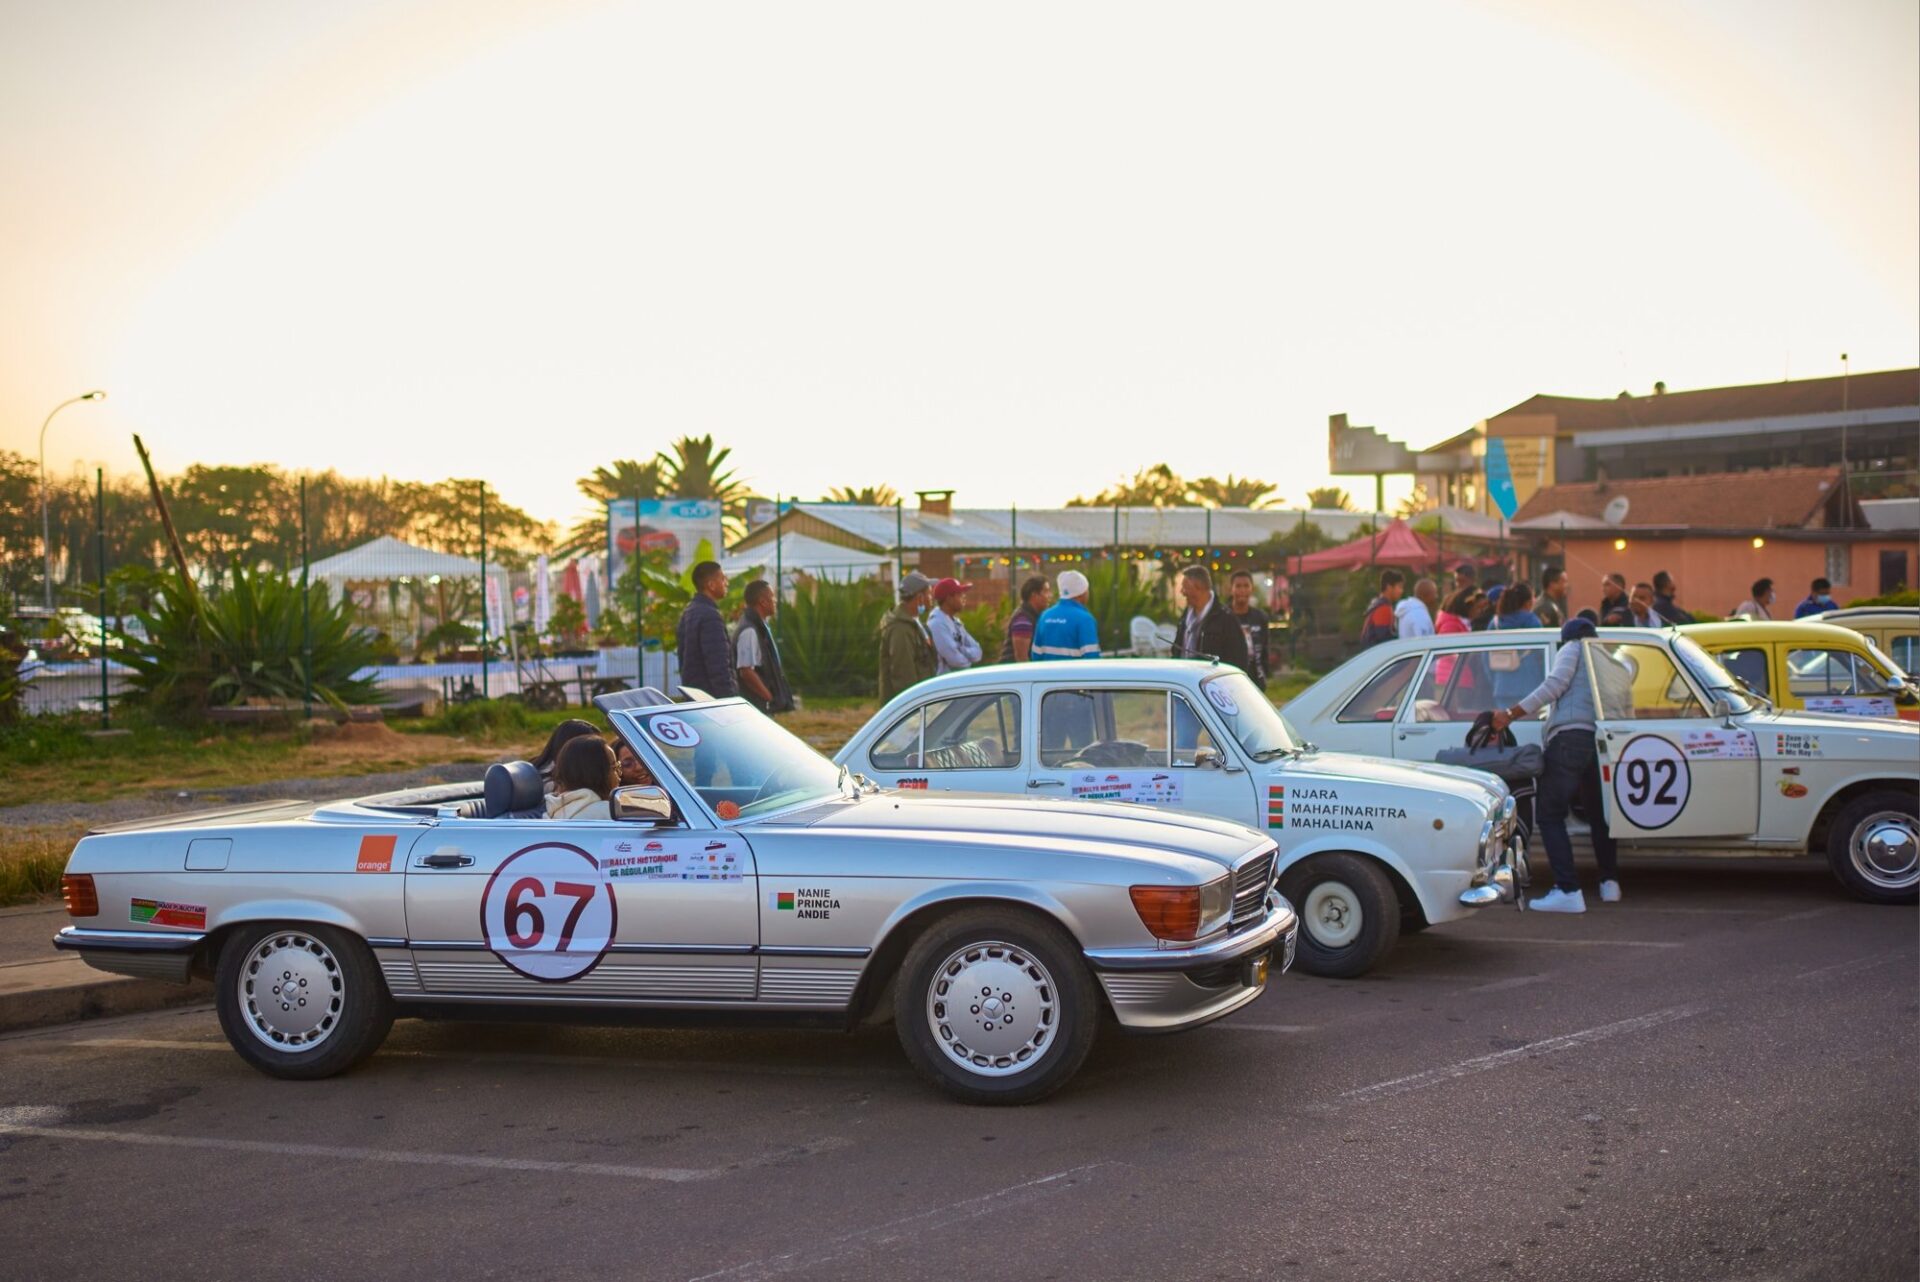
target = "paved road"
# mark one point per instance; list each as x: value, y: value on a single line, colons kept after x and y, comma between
x: 1715, y: 1079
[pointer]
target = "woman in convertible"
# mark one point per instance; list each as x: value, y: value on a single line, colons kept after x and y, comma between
x: 563, y: 734
x: 583, y: 778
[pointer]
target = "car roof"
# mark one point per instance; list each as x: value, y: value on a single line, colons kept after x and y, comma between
x: 1890, y: 613
x: 1758, y: 630
x: 1078, y: 672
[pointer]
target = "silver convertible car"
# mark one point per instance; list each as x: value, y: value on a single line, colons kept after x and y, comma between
x: 755, y: 878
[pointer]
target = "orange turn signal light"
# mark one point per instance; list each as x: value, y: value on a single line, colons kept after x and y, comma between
x: 1168, y: 912
x: 81, y: 898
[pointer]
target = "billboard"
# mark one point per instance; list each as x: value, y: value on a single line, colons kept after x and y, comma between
x: 673, y: 525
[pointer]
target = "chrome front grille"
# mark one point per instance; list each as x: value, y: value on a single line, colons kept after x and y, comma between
x: 1251, y: 882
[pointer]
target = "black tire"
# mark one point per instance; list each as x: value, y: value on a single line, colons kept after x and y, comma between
x: 352, y: 1009
x: 1411, y: 922
x: 1877, y: 871
x: 1064, y: 1013
x: 1331, y: 945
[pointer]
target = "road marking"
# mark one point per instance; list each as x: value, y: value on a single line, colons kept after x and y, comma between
x: 1636, y: 909
x: 528, y: 1057
x: 1806, y: 915
x: 1238, y: 1027
x: 1502, y: 985
x: 1857, y: 964
x: 34, y: 1122
x: 1500, y: 1059
x: 1581, y: 943
x: 912, y: 1227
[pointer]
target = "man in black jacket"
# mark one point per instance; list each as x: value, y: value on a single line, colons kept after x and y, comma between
x: 756, y: 658
x: 1208, y: 629
x: 706, y: 655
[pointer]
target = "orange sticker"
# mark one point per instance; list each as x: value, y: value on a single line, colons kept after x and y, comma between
x: 376, y: 854
x: 728, y: 810
x: 1788, y: 788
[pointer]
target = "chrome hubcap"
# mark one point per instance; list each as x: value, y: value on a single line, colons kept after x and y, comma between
x: 1886, y: 849
x: 993, y: 1008
x: 1332, y: 914
x: 292, y: 992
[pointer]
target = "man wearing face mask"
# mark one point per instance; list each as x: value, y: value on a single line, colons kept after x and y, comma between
x: 906, y: 648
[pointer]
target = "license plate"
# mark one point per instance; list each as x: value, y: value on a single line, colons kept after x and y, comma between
x: 1257, y: 970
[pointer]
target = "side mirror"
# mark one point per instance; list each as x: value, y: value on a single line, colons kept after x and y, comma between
x: 642, y: 803
x: 1722, y: 706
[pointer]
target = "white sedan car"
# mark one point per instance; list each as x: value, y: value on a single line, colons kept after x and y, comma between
x: 1367, y: 847
x: 1690, y: 761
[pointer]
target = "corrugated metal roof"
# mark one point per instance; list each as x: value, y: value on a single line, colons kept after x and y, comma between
x: 1065, y: 529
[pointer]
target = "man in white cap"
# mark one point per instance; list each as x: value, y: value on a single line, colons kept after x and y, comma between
x: 1067, y: 629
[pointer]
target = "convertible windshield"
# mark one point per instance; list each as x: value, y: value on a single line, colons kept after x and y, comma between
x: 738, y: 760
x: 1253, y: 719
x: 1708, y: 672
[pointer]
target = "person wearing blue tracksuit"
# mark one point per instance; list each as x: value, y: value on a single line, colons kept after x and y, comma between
x: 1067, y: 629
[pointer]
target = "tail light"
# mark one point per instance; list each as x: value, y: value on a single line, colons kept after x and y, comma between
x: 81, y: 898
x: 1183, y: 913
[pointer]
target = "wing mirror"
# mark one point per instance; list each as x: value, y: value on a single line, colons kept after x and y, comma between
x: 642, y: 803
x: 1722, y: 706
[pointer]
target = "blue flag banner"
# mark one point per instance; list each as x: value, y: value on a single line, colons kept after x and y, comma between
x: 1500, y: 479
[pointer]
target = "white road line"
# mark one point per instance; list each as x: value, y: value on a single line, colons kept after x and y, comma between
x: 528, y: 1057
x: 909, y: 1228
x: 1502, y: 985
x: 1237, y: 1027
x: 1500, y: 1059
x: 1580, y: 943
x: 408, y: 1157
x: 1857, y: 964
x: 1805, y: 915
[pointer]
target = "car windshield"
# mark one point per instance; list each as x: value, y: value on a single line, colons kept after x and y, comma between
x: 1255, y: 722
x: 1708, y: 672
x: 740, y: 762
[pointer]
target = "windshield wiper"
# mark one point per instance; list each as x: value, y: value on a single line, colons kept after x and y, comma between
x: 1268, y: 754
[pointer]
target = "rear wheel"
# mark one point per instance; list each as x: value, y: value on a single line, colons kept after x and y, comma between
x: 1349, y: 914
x: 996, y: 1006
x: 1873, y: 847
x: 301, y: 1001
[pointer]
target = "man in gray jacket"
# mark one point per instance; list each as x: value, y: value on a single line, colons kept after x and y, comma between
x: 1573, y: 767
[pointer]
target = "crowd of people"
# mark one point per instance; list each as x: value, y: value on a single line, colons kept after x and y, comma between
x: 1470, y: 607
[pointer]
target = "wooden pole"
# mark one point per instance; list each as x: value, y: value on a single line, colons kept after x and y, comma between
x: 166, y: 522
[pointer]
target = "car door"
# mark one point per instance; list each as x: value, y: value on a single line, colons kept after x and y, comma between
x: 971, y: 742
x: 1840, y: 681
x: 548, y: 909
x: 1668, y: 769
x: 1146, y: 744
x: 1457, y: 684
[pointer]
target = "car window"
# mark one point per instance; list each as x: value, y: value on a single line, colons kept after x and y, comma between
x: 1638, y: 682
x: 1380, y: 697
x: 1816, y: 670
x: 899, y: 747
x: 741, y: 762
x: 971, y: 732
x: 1115, y: 729
x: 1903, y: 648
x: 1461, y: 684
x: 1750, y: 665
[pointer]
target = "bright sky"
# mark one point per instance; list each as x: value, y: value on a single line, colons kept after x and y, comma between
x: 1016, y: 250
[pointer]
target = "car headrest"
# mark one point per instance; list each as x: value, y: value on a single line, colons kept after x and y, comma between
x: 512, y: 786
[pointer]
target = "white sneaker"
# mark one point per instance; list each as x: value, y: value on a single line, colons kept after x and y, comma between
x: 1560, y: 901
x: 1609, y: 892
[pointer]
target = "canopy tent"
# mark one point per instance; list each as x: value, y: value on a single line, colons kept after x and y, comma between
x: 390, y: 560
x: 804, y: 554
x: 1396, y: 546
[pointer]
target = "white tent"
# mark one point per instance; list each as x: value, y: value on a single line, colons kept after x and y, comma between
x: 803, y: 554
x: 389, y: 560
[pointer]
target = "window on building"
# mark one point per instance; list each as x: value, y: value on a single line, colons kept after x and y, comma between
x: 1839, y: 564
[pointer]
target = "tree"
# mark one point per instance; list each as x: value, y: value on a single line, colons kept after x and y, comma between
x: 696, y: 470
x: 1234, y: 491
x: 1330, y: 498
x: 445, y: 516
x: 1414, y: 504
x: 869, y: 495
x: 625, y: 479
x: 1155, y: 486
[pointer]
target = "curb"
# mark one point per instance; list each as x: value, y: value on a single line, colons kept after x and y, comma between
x: 67, y: 990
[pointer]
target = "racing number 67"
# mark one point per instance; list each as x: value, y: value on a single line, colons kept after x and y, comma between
x: 549, y: 913
x: 519, y: 909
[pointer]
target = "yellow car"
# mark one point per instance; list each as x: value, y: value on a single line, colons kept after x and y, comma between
x: 1894, y: 628
x: 1804, y: 666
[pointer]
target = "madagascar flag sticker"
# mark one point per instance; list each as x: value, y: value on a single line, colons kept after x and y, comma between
x: 783, y: 901
x: 1277, y: 805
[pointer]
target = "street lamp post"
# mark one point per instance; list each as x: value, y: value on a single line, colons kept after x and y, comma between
x: 46, y: 537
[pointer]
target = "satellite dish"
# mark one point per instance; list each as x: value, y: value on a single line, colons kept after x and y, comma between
x: 1616, y: 511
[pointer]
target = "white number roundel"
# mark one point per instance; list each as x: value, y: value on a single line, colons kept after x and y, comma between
x: 1651, y: 781
x: 1222, y: 698
x: 548, y: 913
x: 673, y: 732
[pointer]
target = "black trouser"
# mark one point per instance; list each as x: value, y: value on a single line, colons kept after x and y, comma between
x: 1573, y: 771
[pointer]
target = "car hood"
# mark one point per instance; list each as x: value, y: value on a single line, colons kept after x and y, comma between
x: 1464, y: 782
x: 1105, y: 828
x: 261, y: 812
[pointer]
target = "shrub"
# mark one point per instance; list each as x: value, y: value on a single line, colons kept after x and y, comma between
x: 1115, y: 603
x: 987, y: 624
x: 1904, y: 596
x: 829, y: 637
x: 204, y: 651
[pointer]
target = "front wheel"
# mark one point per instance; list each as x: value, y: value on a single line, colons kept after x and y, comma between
x: 1349, y: 914
x: 995, y: 1006
x: 1873, y: 847
x: 301, y: 1001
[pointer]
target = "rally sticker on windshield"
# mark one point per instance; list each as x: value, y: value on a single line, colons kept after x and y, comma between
x: 1651, y: 782
x: 1850, y: 705
x: 675, y: 859
x: 673, y: 732
x: 1148, y: 787
x: 1221, y: 697
x: 548, y: 912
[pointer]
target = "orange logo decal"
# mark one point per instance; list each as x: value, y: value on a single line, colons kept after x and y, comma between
x: 376, y: 854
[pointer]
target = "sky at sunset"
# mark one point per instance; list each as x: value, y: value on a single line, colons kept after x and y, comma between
x: 1015, y: 250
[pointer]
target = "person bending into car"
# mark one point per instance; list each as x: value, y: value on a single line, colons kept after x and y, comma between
x: 1572, y: 771
x: 585, y: 777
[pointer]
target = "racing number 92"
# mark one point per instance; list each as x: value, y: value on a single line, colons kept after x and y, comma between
x: 533, y: 891
x: 1651, y: 782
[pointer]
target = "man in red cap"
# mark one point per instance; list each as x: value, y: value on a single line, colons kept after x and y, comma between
x: 951, y: 640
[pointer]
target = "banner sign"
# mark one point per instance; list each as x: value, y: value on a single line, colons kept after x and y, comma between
x: 644, y: 525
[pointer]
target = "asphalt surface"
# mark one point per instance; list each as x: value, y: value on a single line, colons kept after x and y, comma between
x: 1714, y: 1079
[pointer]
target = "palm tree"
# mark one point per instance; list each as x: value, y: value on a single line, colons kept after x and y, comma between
x: 625, y: 479
x: 869, y: 495
x: 1414, y: 504
x: 1330, y: 498
x: 1235, y: 491
x: 695, y: 470
x: 1155, y: 486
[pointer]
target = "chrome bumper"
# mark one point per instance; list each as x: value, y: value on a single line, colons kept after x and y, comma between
x: 1278, y: 923
x: 1503, y: 881
x: 143, y: 954
x: 1167, y: 990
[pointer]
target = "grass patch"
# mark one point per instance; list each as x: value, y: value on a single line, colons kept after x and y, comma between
x: 31, y: 861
